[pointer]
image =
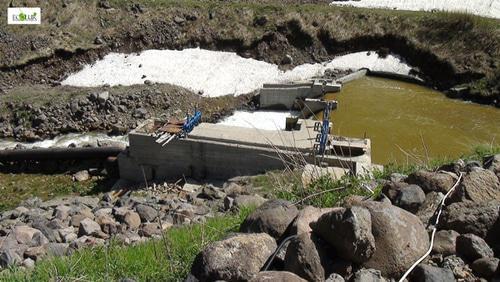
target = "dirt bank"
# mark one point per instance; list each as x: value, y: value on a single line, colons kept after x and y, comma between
x: 447, y: 49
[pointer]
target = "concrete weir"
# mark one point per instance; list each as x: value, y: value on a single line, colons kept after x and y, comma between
x: 217, y: 151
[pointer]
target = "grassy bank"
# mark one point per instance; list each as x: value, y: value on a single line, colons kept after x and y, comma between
x: 166, y: 259
x: 16, y: 188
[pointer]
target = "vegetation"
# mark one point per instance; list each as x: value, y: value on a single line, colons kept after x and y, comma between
x: 16, y: 188
x: 165, y: 259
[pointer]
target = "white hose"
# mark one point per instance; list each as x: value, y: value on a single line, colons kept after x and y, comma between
x: 433, y: 231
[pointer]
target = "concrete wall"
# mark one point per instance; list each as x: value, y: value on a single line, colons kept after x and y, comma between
x: 198, y: 159
x: 285, y: 95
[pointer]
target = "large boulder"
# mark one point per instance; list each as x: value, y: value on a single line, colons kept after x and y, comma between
x: 486, y: 267
x: 307, y: 216
x: 306, y: 257
x: 88, y: 227
x: 473, y: 247
x: 432, y: 181
x: 480, y: 219
x: 29, y: 236
x: 272, y: 217
x: 349, y: 232
x: 400, y: 239
x: 146, y: 213
x: 478, y: 185
x: 427, y: 211
x: 276, y: 276
x: 237, y: 258
x: 428, y: 273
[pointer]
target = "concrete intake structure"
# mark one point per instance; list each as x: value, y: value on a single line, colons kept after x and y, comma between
x: 214, y: 151
x: 287, y: 95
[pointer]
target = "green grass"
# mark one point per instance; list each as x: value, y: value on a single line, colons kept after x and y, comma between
x: 168, y: 259
x: 16, y: 188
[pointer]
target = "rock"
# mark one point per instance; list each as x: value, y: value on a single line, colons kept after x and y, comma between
x: 287, y: 60
x: 306, y: 216
x: 368, y: 275
x: 334, y: 277
x: 35, y: 253
x: 311, y: 173
x: 8, y: 258
x: 29, y: 236
x: 479, y: 185
x: 429, y: 207
x: 473, y: 247
x: 306, y: 257
x: 432, y: 181
x: 233, y: 189
x: 81, y: 176
x: 242, y: 201
x: 108, y: 224
x: 132, y: 220
x: 391, y: 189
x: 228, y: 203
x: 349, y: 232
x: 28, y: 263
x: 178, y: 20
x: 43, y: 225
x: 61, y: 212
x: 148, y: 82
x: 102, y: 97
x: 211, y: 192
x: 400, y: 239
x: 150, y: 229
x: 276, y: 276
x: 57, y: 249
x: 457, y: 266
x: 428, y: 273
x: 410, y: 198
x: 469, y: 217
x: 272, y: 217
x: 445, y: 242
x: 492, y: 163
x: 98, y: 40
x: 68, y: 234
x: 237, y: 258
x: 88, y: 227
x: 141, y: 112
x: 146, y: 213
x: 486, y: 267
x: 397, y: 177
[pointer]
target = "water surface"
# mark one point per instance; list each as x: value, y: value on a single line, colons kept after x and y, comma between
x: 408, y: 122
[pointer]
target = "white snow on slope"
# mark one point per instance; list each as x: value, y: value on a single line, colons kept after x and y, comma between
x: 64, y: 141
x: 266, y: 120
x: 485, y: 8
x: 213, y: 72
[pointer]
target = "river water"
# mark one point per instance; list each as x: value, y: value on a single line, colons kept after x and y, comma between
x: 408, y: 122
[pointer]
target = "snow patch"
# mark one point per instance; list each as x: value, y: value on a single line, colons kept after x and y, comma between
x: 212, y: 72
x: 486, y: 8
x: 64, y: 141
x: 265, y: 120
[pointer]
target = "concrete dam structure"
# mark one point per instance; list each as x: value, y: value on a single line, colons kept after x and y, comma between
x: 214, y: 151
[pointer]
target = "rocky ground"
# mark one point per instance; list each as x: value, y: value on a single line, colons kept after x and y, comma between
x: 371, y: 239
x: 362, y: 239
x: 37, y: 113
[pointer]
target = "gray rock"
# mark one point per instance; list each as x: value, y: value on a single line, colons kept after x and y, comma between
x: 307, y: 216
x: 368, y: 275
x: 88, y: 227
x: 492, y: 163
x: 479, y: 185
x: 398, y: 177
x: 29, y: 236
x: 432, y: 181
x: 132, y: 220
x: 28, y: 263
x: 457, y: 266
x: 9, y: 257
x: 211, y: 192
x: 400, y: 239
x: 242, y: 201
x: 410, y: 198
x: 427, y: 210
x: 62, y: 212
x: 35, y: 253
x: 150, y: 229
x: 272, y: 217
x: 485, y: 267
x: 276, y: 276
x: 473, y: 247
x: 428, y: 273
x: 306, y: 257
x: 470, y: 217
x: 445, y: 242
x: 81, y: 176
x: 236, y: 258
x: 102, y: 97
x: 349, y: 231
x: 44, y: 226
x: 146, y: 213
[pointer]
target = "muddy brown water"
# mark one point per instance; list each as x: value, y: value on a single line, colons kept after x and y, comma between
x: 408, y: 122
